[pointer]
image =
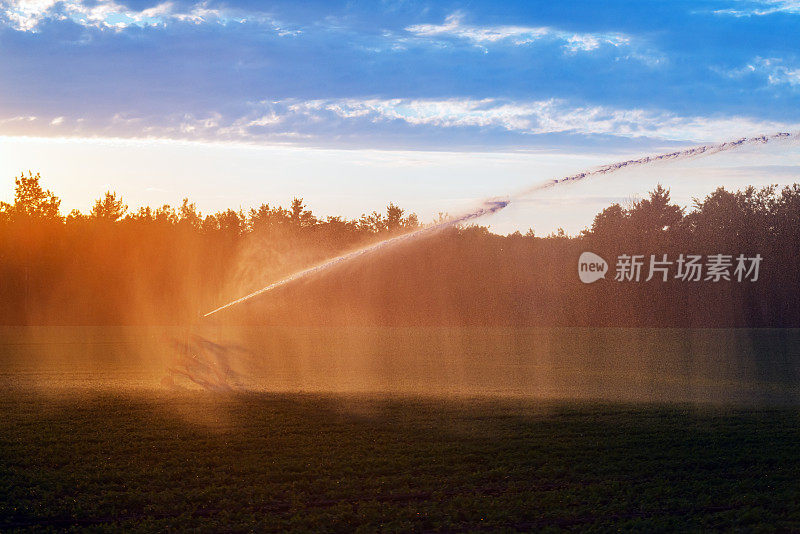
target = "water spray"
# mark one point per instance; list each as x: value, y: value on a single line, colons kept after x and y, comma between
x: 494, y: 205
x: 488, y: 207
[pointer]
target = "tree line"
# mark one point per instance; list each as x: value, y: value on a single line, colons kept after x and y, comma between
x: 166, y: 265
x: 157, y: 265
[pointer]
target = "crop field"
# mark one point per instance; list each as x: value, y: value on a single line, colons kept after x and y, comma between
x: 82, y: 450
x: 337, y: 463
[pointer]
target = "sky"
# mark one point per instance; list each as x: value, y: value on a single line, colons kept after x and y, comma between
x: 432, y: 105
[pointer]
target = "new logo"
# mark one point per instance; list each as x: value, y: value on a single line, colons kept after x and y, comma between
x: 591, y: 267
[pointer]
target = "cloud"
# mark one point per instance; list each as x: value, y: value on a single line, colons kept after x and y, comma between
x: 774, y: 70
x: 759, y: 8
x: 27, y: 15
x: 397, y: 75
x: 540, y: 117
x: 453, y: 27
x: 22, y: 118
x: 407, y: 123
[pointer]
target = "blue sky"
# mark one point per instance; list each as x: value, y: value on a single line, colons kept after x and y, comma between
x: 594, y: 80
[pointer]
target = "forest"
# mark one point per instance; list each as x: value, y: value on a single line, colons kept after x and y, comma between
x: 169, y: 265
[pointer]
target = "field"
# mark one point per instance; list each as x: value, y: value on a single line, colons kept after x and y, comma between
x: 333, y: 463
x: 80, y: 450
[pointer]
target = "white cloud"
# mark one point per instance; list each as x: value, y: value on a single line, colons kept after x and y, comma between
x: 535, y: 118
x: 369, y: 121
x: 762, y: 7
x: 454, y: 27
x: 779, y: 74
x: 773, y: 69
x: 22, y: 118
x: 25, y: 15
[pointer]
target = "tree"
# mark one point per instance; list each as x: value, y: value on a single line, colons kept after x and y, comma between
x: 31, y: 202
x: 786, y: 213
x: 166, y: 215
x: 109, y: 208
x: 296, y: 211
x: 188, y: 214
x: 143, y: 215
x: 559, y: 233
x: 259, y: 220
x: 75, y: 216
x: 725, y: 218
x: 411, y: 222
x: 394, y: 218
x: 655, y: 215
x: 395, y: 221
x: 299, y: 216
x: 210, y: 224
x: 231, y: 222
x: 609, y: 222
x: 374, y: 223
x: 338, y: 225
x: 645, y: 221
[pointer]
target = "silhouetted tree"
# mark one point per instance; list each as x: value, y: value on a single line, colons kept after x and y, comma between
x: 31, y: 201
x: 612, y: 221
x: 372, y: 223
x: 109, y: 208
x: 655, y: 215
x: 299, y: 216
x: 189, y: 216
x: 394, y: 218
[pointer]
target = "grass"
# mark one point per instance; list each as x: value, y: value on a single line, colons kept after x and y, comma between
x: 257, y: 461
